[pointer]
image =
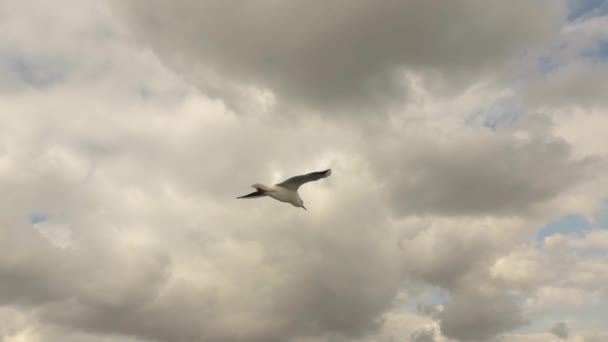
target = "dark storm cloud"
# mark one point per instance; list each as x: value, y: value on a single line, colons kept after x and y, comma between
x: 335, y: 53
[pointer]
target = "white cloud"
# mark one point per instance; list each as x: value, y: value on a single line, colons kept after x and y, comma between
x: 551, y: 298
x: 521, y: 267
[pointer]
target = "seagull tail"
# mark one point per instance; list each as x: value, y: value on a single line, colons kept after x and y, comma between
x: 261, y: 191
x: 261, y: 187
x: 254, y: 194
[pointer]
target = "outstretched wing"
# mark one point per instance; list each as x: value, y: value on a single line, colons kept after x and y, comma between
x: 294, y: 183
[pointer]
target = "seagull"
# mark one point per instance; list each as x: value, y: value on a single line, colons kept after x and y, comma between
x: 287, y: 191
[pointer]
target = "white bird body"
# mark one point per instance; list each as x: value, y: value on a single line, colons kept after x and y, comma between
x: 282, y: 194
x: 287, y: 191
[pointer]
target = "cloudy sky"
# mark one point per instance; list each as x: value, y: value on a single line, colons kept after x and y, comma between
x: 467, y: 139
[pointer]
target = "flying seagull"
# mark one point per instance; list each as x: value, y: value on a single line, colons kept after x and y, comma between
x: 287, y: 191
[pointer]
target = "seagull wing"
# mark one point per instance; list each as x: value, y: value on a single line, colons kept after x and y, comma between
x: 294, y: 183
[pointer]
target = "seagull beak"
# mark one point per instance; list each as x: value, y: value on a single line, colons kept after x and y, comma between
x: 303, y: 207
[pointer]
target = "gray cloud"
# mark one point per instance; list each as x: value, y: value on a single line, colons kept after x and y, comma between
x: 458, y: 261
x: 560, y: 330
x: 458, y: 256
x: 336, y: 54
x: 136, y: 170
x: 479, y: 174
x: 295, y: 279
x: 423, y: 335
x: 429, y: 310
x: 479, y: 316
x: 573, y: 69
x: 579, y: 84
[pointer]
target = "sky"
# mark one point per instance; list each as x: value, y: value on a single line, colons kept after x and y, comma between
x: 467, y: 140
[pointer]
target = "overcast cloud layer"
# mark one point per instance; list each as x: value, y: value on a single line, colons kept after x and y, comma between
x: 467, y: 139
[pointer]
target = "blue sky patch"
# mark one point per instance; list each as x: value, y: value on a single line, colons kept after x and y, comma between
x: 601, y: 216
x: 502, y: 113
x: 599, y: 53
x: 572, y: 224
x: 36, y: 218
x: 580, y: 8
x: 502, y: 119
x: 602, y: 50
x: 437, y: 296
x: 36, y: 72
x: 547, y: 65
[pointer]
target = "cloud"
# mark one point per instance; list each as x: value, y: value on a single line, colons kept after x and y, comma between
x: 120, y: 160
x: 575, y: 68
x: 404, y: 326
x: 561, y: 275
x: 596, y: 336
x: 337, y: 55
x: 478, y: 307
x: 157, y: 254
x: 573, y: 85
x: 576, y: 121
x: 429, y: 310
x: 523, y: 268
x: 480, y: 316
x: 477, y: 174
x: 423, y: 335
x: 560, y: 330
